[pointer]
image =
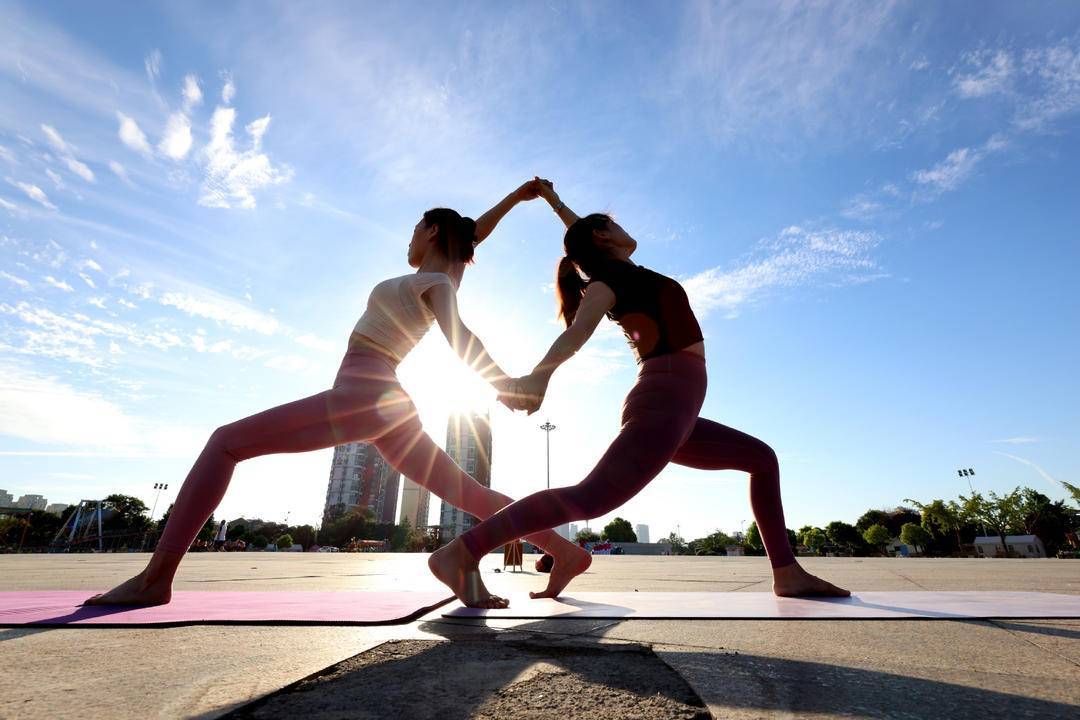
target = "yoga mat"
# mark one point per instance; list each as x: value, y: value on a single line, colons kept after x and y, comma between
x: 261, y: 607
x: 766, y: 606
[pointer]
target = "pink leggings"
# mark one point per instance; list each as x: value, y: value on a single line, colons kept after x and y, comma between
x: 660, y: 424
x: 366, y: 403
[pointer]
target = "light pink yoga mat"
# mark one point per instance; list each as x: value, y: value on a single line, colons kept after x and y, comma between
x: 766, y: 606
x: 261, y: 607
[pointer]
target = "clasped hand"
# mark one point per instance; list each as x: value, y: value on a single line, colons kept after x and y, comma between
x: 523, y: 393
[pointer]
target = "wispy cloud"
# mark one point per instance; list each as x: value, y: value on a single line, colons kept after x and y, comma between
x: 176, y: 141
x: 951, y: 172
x: 67, y: 153
x: 221, y: 309
x: 192, y: 93
x: 58, y: 284
x: 796, y: 257
x: 228, y: 89
x: 34, y: 193
x: 992, y: 72
x: 14, y: 279
x: 152, y: 63
x: 1024, y: 461
x: 231, y: 178
x: 1020, y: 440
x: 133, y: 136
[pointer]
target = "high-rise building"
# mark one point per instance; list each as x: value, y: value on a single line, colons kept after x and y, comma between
x: 33, y: 502
x: 57, y: 508
x: 468, y: 442
x: 415, y: 501
x: 642, y: 533
x: 563, y: 531
x: 6, y: 500
x: 361, y: 478
x: 573, y: 530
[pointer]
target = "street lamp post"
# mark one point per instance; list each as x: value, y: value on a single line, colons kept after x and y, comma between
x: 547, y: 427
x: 970, y: 473
x: 159, y: 487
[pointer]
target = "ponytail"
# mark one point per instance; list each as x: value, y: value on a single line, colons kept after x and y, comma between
x: 457, y: 235
x: 582, y: 256
x: 569, y: 289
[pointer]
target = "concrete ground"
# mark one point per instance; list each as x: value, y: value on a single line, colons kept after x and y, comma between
x: 459, y: 668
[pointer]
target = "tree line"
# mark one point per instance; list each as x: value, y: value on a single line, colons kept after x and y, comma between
x: 938, y: 528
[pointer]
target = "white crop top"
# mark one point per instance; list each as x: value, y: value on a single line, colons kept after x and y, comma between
x: 396, y: 316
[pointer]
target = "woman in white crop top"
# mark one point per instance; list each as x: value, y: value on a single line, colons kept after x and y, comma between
x: 367, y: 403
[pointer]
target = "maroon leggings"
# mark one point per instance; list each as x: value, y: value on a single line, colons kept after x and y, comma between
x: 660, y: 424
x: 366, y: 403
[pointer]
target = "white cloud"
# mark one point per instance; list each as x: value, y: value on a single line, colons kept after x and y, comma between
x: 951, y: 172
x: 54, y: 138
x: 132, y: 136
x: 43, y: 409
x: 128, y: 304
x: 14, y: 279
x: 97, y: 302
x: 770, y: 69
x: 55, y: 177
x: 79, y: 169
x: 224, y: 310
x: 7, y: 155
x: 59, y: 284
x: 288, y: 363
x: 1021, y: 440
x: 796, y: 257
x: 992, y: 73
x: 88, y: 280
x: 1024, y: 461
x: 118, y: 170
x: 176, y: 141
x: 317, y: 343
x: 35, y: 193
x: 10, y: 206
x: 152, y: 63
x: 1057, y: 73
x: 231, y: 178
x: 228, y: 90
x: 192, y: 93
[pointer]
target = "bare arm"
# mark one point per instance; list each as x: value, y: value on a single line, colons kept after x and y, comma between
x: 443, y: 302
x: 598, y: 300
x: 547, y: 191
x: 486, y: 223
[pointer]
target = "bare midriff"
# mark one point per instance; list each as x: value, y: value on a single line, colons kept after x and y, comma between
x: 697, y: 348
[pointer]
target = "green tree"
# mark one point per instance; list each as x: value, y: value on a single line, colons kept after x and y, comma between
x: 815, y: 539
x: 303, y: 534
x: 714, y: 544
x: 914, y: 535
x: 844, y: 535
x: 1074, y: 491
x: 284, y: 541
x: 236, y: 531
x: 129, y: 514
x: 678, y: 545
x: 586, y: 535
x: 260, y: 541
x: 619, y: 530
x: 1002, y: 514
x: 878, y: 536
x: 753, y: 541
x: 940, y: 517
x: 872, y: 517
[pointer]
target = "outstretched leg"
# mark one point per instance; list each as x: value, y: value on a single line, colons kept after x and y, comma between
x: 712, y: 446
x: 411, y: 450
x: 343, y: 414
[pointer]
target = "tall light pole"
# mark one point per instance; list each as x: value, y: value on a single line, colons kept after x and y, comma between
x: 969, y: 473
x: 547, y: 427
x: 159, y: 487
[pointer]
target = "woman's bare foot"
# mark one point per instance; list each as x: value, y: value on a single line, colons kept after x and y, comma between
x: 455, y: 567
x: 792, y: 581
x: 570, y: 561
x: 136, y: 591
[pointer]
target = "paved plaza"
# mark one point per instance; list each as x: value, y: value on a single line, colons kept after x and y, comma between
x: 443, y: 668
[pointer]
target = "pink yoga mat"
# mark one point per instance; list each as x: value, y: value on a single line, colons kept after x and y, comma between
x: 257, y: 607
x: 766, y: 606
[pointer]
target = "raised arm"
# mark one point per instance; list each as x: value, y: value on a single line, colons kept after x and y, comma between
x: 547, y: 191
x: 598, y: 300
x: 443, y: 302
x: 486, y: 223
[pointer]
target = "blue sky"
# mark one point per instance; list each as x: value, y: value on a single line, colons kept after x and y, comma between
x: 873, y: 208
